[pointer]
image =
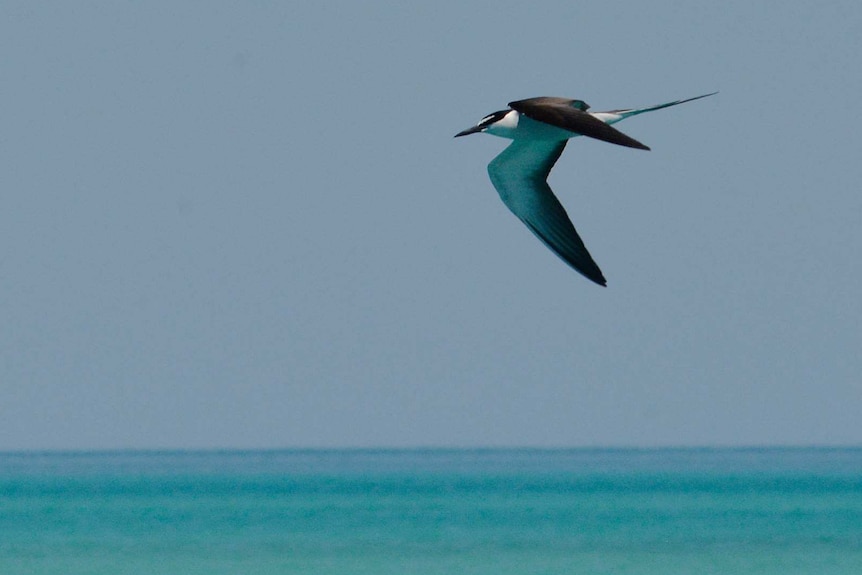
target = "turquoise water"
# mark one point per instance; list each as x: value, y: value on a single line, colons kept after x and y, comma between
x: 787, y: 511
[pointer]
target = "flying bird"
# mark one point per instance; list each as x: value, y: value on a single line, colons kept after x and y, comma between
x: 539, y: 129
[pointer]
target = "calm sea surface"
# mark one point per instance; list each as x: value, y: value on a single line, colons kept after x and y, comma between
x: 757, y: 511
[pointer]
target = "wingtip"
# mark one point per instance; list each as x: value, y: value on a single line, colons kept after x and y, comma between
x: 596, y: 278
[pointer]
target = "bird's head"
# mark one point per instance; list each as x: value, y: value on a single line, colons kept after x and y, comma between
x: 485, y: 123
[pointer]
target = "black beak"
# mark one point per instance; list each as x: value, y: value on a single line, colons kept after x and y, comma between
x: 469, y: 131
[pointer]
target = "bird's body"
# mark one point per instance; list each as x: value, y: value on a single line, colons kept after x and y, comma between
x: 540, y: 128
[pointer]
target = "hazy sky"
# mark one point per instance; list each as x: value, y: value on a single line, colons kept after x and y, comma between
x: 248, y: 225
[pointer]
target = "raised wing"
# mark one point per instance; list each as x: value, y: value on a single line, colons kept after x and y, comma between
x: 520, y: 175
x: 566, y: 114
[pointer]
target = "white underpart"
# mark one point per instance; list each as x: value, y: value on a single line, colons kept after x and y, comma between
x: 516, y: 126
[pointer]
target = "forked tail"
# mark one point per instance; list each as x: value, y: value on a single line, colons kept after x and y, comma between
x: 635, y: 111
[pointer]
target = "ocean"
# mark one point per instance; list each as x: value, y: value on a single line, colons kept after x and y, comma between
x: 418, y: 512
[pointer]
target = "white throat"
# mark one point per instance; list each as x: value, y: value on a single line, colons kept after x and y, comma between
x: 505, y: 127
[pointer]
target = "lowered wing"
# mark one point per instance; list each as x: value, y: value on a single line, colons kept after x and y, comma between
x: 520, y: 176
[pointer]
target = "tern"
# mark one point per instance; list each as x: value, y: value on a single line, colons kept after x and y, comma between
x: 539, y: 129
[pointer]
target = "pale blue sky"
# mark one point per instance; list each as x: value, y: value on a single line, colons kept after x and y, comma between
x: 247, y: 225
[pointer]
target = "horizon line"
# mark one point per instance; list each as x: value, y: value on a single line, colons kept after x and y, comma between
x: 421, y: 448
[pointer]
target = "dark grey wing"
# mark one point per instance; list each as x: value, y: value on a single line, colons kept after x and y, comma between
x: 520, y: 175
x: 563, y: 114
